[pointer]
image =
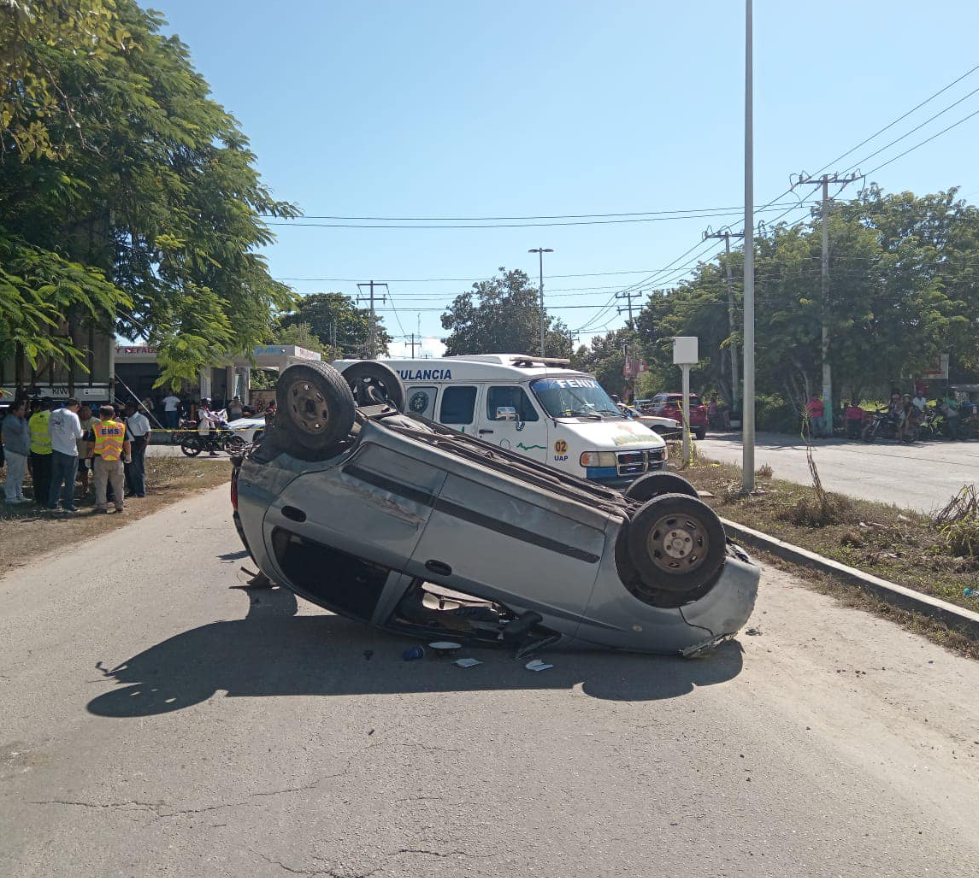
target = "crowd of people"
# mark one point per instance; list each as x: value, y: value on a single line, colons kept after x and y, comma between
x: 905, y: 417
x: 65, y: 447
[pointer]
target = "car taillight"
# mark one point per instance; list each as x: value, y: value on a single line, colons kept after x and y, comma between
x: 702, y: 409
x: 234, y: 489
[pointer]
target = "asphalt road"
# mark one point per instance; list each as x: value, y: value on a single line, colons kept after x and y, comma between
x: 923, y: 476
x: 156, y: 720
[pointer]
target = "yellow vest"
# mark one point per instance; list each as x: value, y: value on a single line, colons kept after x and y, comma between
x: 109, y: 436
x: 40, y: 434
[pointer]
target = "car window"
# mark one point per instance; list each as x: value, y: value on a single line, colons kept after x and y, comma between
x: 458, y: 405
x: 660, y: 397
x: 421, y: 401
x: 512, y: 397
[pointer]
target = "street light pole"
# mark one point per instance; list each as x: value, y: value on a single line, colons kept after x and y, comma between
x: 540, y: 251
x: 748, y: 407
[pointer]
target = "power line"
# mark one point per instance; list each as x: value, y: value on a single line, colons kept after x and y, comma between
x: 922, y: 143
x: 695, y: 213
x: 899, y: 118
x: 916, y: 128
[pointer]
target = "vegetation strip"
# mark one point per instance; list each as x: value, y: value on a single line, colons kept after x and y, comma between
x: 958, y: 618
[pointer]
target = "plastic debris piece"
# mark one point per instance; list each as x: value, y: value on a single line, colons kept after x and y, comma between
x: 753, y: 632
x: 412, y: 653
x: 467, y: 662
x: 537, y: 665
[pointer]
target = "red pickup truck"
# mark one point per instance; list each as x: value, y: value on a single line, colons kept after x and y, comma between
x: 670, y: 405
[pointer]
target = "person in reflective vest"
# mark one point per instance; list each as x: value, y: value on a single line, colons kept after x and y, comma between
x: 41, y: 451
x: 110, y: 448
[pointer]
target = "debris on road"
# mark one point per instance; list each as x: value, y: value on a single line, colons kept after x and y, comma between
x: 467, y: 662
x: 753, y: 632
x: 537, y: 665
x: 412, y: 653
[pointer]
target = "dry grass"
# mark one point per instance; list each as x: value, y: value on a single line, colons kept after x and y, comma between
x: 27, y: 531
x: 896, y: 544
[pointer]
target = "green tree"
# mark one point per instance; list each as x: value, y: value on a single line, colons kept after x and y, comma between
x: 502, y: 315
x: 334, y: 315
x: 119, y: 160
x: 605, y: 358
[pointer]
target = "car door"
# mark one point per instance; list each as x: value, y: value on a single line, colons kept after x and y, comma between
x: 509, y: 418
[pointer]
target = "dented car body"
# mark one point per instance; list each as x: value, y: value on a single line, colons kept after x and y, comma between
x: 417, y: 529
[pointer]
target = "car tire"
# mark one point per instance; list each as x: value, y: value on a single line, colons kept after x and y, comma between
x: 655, y: 484
x: 315, y: 410
x: 191, y: 446
x: 677, y: 544
x: 700, y: 433
x: 373, y: 383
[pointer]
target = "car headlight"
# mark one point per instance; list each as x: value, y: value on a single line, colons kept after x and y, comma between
x: 597, y: 458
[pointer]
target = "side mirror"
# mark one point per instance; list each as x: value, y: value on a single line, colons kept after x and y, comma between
x: 506, y: 413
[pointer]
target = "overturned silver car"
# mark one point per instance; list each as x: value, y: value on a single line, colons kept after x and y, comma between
x: 407, y: 525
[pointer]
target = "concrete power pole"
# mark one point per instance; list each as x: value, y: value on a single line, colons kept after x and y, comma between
x: 413, y: 346
x: 824, y: 182
x: 628, y: 296
x: 372, y: 328
x: 727, y: 235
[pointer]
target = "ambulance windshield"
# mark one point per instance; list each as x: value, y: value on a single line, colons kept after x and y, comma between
x: 574, y: 398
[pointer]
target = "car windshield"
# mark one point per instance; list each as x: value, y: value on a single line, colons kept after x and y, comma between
x: 574, y: 398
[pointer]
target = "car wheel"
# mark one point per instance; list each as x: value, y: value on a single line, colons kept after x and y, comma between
x: 373, y: 383
x: 314, y: 410
x: 654, y: 484
x: 700, y: 433
x: 677, y: 544
x: 191, y: 446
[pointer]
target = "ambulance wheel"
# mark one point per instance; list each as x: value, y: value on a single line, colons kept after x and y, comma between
x: 654, y: 484
x: 314, y: 410
x: 373, y: 383
x: 677, y: 544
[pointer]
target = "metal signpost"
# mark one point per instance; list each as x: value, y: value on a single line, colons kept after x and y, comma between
x: 685, y: 356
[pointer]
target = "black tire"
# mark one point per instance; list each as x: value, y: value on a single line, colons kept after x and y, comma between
x: 677, y: 544
x: 192, y: 445
x: 373, y: 383
x: 235, y: 444
x: 315, y: 410
x: 868, y: 434
x: 654, y: 484
x: 700, y: 432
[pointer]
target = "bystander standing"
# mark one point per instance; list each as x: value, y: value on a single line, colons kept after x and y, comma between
x: 138, y: 428
x: 171, y: 410
x: 41, y: 451
x: 65, y: 429
x: 17, y: 447
x: 110, y: 448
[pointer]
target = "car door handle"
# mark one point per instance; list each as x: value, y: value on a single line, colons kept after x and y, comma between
x: 440, y: 568
x: 484, y: 431
x: 293, y: 514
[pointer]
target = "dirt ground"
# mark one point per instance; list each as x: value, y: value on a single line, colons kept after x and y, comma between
x: 26, y: 531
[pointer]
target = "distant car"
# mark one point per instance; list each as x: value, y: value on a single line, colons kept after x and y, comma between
x: 249, y: 430
x: 670, y: 405
x: 668, y: 428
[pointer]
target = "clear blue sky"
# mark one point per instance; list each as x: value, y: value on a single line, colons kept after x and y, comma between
x: 504, y: 108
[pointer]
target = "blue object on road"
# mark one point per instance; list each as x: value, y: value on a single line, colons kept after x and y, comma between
x: 414, y: 652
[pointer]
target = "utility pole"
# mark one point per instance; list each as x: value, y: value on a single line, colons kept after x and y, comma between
x: 413, y: 346
x: 824, y: 181
x: 540, y: 251
x: 372, y: 328
x: 573, y: 336
x: 727, y: 235
x: 748, y: 421
x: 628, y: 296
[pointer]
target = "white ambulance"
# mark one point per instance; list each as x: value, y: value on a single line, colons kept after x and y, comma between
x: 537, y: 407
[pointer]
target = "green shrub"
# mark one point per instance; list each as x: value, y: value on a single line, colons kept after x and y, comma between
x: 962, y: 537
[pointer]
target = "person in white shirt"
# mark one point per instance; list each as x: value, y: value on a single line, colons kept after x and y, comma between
x: 920, y: 401
x: 206, y: 420
x: 171, y: 410
x: 138, y: 431
x: 65, y: 430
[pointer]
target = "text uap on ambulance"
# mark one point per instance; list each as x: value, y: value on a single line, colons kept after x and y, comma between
x: 534, y: 406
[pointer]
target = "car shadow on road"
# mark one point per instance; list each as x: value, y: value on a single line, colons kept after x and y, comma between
x: 273, y: 652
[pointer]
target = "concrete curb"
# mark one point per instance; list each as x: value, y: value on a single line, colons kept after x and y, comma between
x: 959, y: 618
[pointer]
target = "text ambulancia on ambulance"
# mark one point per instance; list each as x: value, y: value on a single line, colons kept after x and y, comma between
x: 534, y: 406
